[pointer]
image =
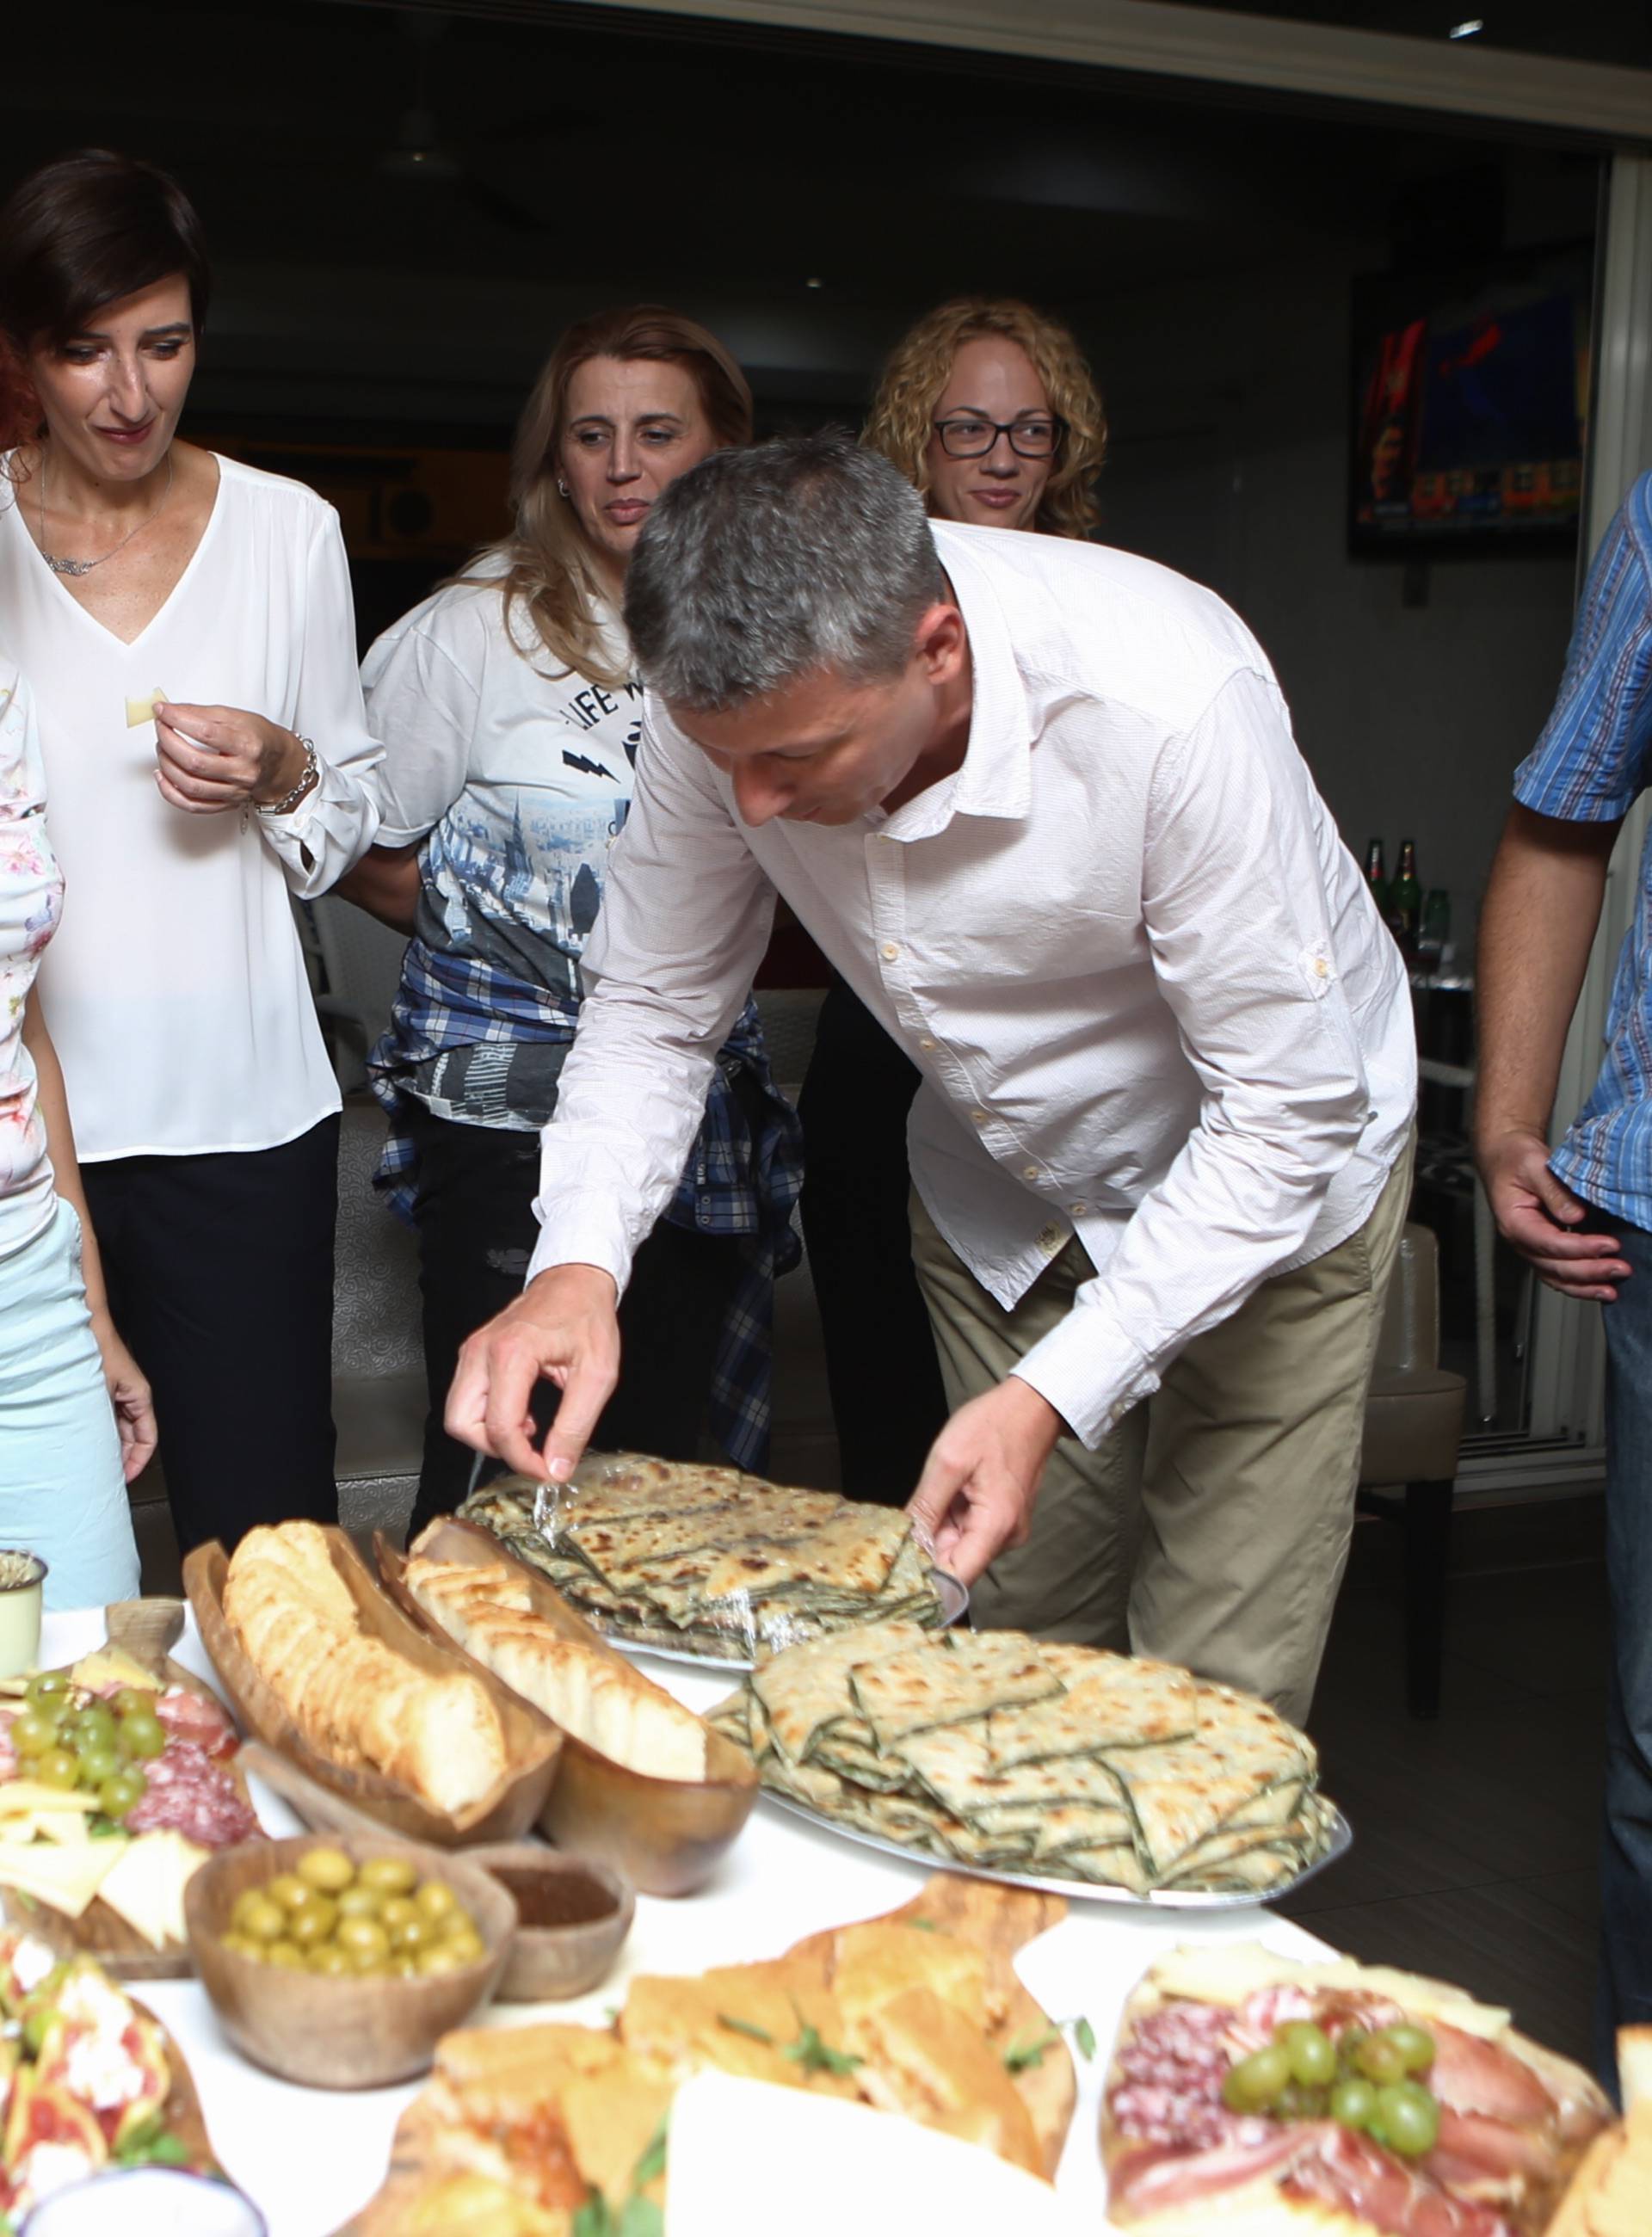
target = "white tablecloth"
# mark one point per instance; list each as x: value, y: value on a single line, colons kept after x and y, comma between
x: 311, y: 2157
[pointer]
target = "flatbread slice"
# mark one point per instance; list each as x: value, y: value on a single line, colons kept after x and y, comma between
x: 952, y: 1679
x: 1110, y: 1701
x: 807, y: 1688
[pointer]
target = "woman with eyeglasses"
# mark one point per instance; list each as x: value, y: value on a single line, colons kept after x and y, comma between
x: 988, y: 407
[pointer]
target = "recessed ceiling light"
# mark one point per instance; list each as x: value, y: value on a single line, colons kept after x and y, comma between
x: 1467, y: 28
x: 814, y: 283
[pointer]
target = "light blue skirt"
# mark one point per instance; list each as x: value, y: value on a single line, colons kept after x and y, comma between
x: 61, y: 1491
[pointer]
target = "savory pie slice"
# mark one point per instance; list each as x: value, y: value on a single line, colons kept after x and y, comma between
x: 952, y: 1678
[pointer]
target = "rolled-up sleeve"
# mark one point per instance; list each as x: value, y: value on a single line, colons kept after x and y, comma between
x: 338, y: 820
x: 685, y: 918
x: 1237, y: 921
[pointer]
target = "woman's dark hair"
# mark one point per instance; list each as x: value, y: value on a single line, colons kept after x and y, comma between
x: 87, y: 230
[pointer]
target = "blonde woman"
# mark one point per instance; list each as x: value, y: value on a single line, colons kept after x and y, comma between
x: 511, y: 721
x: 989, y: 409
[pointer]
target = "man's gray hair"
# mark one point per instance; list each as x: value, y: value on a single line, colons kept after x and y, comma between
x: 762, y: 565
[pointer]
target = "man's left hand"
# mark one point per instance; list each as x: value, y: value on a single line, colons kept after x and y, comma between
x: 211, y: 759
x: 979, y: 1484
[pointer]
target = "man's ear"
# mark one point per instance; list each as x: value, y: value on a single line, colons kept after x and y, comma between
x: 941, y: 643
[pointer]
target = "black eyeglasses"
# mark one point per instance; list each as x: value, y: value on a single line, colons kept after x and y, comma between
x: 966, y: 436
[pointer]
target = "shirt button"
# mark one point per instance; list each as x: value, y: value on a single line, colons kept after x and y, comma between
x: 979, y: 1118
x: 1029, y: 1173
x: 1321, y: 968
x: 889, y: 951
x: 1049, y: 1240
x: 926, y: 1041
x: 1080, y: 1208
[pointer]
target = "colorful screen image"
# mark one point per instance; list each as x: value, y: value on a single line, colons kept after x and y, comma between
x: 1470, y: 399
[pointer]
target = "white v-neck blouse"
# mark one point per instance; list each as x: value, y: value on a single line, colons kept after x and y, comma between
x: 176, y: 988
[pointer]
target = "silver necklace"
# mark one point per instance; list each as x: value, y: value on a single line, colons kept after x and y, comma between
x: 85, y: 566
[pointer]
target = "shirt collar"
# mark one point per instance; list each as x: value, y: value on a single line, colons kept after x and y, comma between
x: 996, y: 778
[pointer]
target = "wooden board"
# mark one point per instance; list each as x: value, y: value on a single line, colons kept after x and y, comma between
x: 998, y: 1921
x: 533, y: 1746
x: 146, y: 1630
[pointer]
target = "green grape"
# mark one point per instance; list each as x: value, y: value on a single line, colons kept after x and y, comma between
x: 57, y: 1768
x: 1381, y: 2059
x: 1253, y: 2085
x: 32, y: 1735
x: 132, y: 1700
x: 1415, y: 2045
x: 122, y: 1792
x: 145, y: 1736
x: 1407, y: 2119
x: 46, y: 1685
x: 95, y: 1723
x: 1353, y: 2102
x: 97, y: 1764
x: 1296, y: 2103
x: 1311, y: 2051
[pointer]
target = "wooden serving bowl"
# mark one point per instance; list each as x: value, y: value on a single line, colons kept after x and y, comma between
x: 572, y: 1917
x: 351, y: 2033
x: 533, y: 1745
x: 664, y: 1835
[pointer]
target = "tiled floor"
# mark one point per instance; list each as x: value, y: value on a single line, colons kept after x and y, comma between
x: 1474, y: 1835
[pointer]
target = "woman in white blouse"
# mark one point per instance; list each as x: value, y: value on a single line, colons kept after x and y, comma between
x: 510, y: 719
x: 186, y: 626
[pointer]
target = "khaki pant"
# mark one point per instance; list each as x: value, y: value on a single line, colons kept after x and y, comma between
x: 1211, y: 1527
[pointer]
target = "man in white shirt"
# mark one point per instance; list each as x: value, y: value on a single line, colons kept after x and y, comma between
x: 1039, y: 802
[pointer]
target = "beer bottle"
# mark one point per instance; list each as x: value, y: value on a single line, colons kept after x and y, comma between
x: 1376, y: 876
x: 1405, y: 898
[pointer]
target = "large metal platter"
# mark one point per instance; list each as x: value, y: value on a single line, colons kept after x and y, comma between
x: 1342, y: 1840
x: 952, y: 1595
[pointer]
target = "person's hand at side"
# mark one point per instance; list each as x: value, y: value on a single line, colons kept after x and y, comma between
x: 564, y: 1327
x: 979, y: 1484
x: 129, y: 1395
x: 1538, y: 1214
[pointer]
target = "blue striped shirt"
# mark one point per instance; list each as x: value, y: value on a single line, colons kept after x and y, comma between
x: 1590, y: 766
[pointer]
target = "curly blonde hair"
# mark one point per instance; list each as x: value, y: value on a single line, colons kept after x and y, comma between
x: 920, y: 365
x: 548, y: 568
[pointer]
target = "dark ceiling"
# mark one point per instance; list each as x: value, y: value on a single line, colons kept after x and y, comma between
x: 1586, y: 30
x: 808, y: 196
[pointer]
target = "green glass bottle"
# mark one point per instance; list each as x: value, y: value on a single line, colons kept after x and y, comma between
x: 1405, y: 898
x: 1376, y: 876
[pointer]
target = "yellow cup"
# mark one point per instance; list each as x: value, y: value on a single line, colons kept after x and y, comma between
x: 22, y: 1579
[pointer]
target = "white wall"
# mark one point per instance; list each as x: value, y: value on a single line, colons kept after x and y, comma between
x: 1228, y: 406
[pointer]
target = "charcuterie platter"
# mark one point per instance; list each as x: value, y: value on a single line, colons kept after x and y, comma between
x: 117, y: 1778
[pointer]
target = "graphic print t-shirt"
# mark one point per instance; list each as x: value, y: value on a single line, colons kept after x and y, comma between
x: 519, y: 779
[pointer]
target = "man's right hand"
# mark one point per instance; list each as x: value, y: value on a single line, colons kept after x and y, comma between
x: 565, y: 1327
x: 1539, y: 1215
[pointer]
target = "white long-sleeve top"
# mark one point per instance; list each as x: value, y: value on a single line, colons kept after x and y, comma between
x: 176, y: 989
x: 31, y: 894
x: 1148, y: 992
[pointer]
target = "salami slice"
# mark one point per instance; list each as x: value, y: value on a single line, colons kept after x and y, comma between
x: 187, y: 1716
x: 190, y: 1794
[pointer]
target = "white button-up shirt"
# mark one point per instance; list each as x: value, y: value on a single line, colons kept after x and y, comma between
x: 1144, y: 980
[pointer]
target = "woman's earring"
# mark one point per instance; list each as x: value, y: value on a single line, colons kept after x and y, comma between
x: 562, y: 486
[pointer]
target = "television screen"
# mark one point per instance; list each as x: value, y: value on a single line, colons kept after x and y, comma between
x: 1470, y: 397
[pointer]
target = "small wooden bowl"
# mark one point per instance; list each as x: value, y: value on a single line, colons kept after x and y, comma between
x: 665, y: 1835
x: 349, y: 2033
x: 572, y: 1917
x: 533, y: 1745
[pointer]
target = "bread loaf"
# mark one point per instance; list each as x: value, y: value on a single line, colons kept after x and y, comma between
x: 351, y: 1696
x: 487, y: 1609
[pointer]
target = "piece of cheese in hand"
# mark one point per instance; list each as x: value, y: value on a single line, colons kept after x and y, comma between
x: 143, y: 710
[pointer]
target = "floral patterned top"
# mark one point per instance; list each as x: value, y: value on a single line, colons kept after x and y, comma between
x: 31, y: 895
